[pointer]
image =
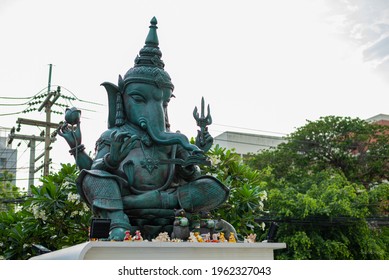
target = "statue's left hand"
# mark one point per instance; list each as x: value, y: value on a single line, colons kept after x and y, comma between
x: 204, y: 140
x: 71, y: 135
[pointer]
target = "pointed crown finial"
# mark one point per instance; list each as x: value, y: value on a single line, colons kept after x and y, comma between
x: 149, y: 67
x: 152, y: 37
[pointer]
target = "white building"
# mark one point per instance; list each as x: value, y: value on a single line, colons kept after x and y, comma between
x: 381, y: 119
x: 245, y: 143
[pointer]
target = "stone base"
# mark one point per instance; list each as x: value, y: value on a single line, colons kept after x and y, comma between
x: 105, y: 250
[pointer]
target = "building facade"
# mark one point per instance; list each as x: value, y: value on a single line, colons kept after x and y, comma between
x: 246, y: 143
x: 380, y: 119
x: 8, y: 156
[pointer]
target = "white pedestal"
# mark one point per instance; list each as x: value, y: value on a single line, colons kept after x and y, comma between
x: 105, y: 250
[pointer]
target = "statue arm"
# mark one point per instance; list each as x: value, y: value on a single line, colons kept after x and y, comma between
x: 83, y: 161
x: 72, y: 135
x: 189, y: 172
x: 102, y: 148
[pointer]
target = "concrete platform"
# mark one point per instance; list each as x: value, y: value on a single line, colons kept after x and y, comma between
x: 105, y: 250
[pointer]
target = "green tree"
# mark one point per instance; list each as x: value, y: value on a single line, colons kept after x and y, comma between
x: 329, y: 180
x: 360, y: 150
x: 325, y: 217
x: 9, y: 193
x: 247, y: 190
x: 53, y: 217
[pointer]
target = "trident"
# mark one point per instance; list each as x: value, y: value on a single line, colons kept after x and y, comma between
x: 202, y: 121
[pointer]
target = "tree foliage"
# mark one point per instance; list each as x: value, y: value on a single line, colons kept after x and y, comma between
x: 247, y: 194
x: 325, y: 217
x: 329, y: 179
x: 8, y: 192
x: 54, y: 217
x: 358, y: 149
x: 322, y: 186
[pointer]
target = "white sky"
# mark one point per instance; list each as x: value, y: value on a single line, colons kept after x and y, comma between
x: 263, y: 65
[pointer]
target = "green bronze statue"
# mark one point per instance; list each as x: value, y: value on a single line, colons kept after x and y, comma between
x: 142, y: 171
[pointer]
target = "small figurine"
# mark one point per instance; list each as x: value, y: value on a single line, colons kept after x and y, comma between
x: 222, y: 237
x: 192, y: 237
x: 138, y: 236
x: 215, y: 238
x: 224, y: 226
x: 180, y: 225
x: 207, y: 224
x: 250, y: 238
x: 232, y: 239
x: 162, y: 237
x: 176, y: 240
x: 198, y: 237
x: 206, y: 237
x: 127, y: 236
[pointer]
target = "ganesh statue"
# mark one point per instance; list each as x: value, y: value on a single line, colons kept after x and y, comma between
x: 141, y: 171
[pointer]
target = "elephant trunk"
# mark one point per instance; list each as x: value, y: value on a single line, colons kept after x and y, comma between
x: 160, y: 136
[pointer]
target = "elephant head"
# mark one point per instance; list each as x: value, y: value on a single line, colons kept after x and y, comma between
x: 141, y: 97
x: 145, y: 105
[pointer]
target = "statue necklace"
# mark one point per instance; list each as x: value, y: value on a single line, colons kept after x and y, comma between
x: 149, y: 163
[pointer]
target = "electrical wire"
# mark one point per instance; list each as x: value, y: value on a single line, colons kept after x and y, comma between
x: 22, y: 179
x: 14, y: 166
x: 7, y: 97
x: 251, y: 129
x: 81, y: 100
x: 320, y: 221
x: 13, y: 104
x: 9, y: 114
x: 245, y: 143
x: 13, y: 152
x: 30, y: 97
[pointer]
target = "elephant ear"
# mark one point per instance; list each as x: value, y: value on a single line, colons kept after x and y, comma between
x: 112, y: 91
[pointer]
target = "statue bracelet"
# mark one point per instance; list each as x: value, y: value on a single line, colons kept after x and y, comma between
x: 105, y: 161
x: 77, y: 149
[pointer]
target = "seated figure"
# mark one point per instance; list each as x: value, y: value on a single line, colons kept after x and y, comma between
x: 141, y: 171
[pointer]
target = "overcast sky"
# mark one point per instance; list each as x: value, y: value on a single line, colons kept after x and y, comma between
x: 263, y: 66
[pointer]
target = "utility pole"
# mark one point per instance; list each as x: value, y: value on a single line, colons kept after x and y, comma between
x: 31, y: 169
x: 47, y: 139
x: 50, y: 100
x: 32, y: 139
x: 47, y: 105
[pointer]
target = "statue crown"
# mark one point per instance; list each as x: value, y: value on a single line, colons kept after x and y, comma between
x: 149, y: 67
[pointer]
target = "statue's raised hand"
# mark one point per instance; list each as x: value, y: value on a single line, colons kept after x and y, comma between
x: 204, y: 140
x: 71, y: 133
x: 121, y: 145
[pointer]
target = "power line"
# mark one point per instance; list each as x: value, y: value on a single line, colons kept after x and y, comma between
x: 329, y: 222
x: 245, y: 143
x: 244, y: 128
x: 8, y: 149
x: 23, y: 179
x: 17, y: 168
x: 14, y: 166
x: 90, y: 102
x: 6, y: 97
x: 9, y: 114
x: 18, y: 160
x: 13, y: 104
x: 36, y: 96
x: 30, y: 97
